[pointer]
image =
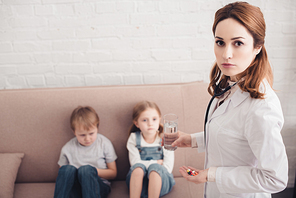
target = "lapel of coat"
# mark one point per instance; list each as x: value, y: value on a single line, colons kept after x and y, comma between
x: 238, y: 97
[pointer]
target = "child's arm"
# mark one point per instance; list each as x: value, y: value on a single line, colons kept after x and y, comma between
x: 168, y: 160
x: 110, y: 172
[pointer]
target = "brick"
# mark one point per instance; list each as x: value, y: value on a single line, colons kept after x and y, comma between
x: 171, y: 78
x: 60, y: 1
x: 152, y: 79
x: 36, y: 81
x: 189, y: 6
x: 162, y: 55
x: 99, y: 56
x: 73, y: 69
x: 54, y: 80
x: 199, y: 54
x: 135, y: 31
x: 128, y: 55
x: 14, y: 58
x: 108, y: 7
x: 15, y: 2
x: 108, y: 19
x: 289, y: 29
x: 152, y: 43
x: 26, y: 35
x: 28, y: 22
x: 94, y: 32
x: 73, y: 81
x: 23, y: 10
x: 112, y: 67
x: 110, y: 43
x: 84, y: 9
x: 44, y: 10
x: 43, y: 58
x: 133, y: 79
x: 7, y: 70
x: 5, y: 11
x: 16, y: 82
x: 5, y: 47
x: 151, y: 67
x: 193, y: 42
x: 93, y: 80
x: 40, y: 46
x: 32, y: 69
x: 56, y: 33
x: 112, y: 80
x: 172, y: 6
x: 146, y: 6
x: 64, y: 9
x: 71, y: 45
x: 62, y: 57
x: 125, y: 7
x: 177, y: 30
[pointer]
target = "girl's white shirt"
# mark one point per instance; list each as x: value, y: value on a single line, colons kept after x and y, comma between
x: 245, y: 144
x: 134, y: 155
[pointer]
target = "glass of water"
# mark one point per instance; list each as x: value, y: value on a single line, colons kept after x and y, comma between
x: 170, y: 128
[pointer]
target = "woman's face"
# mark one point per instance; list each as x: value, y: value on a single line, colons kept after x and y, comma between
x: 234, y: 48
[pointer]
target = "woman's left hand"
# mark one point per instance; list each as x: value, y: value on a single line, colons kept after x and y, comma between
x: 198, y: 179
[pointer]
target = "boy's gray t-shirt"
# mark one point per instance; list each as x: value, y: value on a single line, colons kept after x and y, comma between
x: 97, y: 155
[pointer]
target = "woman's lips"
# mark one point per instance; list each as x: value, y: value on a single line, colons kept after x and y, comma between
x: 227, y: 65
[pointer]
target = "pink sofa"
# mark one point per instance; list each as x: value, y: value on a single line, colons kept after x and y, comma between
x: 35, y: 122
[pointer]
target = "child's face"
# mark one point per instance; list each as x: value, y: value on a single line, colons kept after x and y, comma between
x: 148, y: 122
x: 86, y: 137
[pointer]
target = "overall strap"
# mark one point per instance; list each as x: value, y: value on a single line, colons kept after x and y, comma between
x: 138, y: 139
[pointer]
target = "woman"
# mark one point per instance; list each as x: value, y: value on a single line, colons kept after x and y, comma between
x: 245, y: 154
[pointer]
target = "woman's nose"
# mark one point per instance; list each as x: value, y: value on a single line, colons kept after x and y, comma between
x: 227, y: 54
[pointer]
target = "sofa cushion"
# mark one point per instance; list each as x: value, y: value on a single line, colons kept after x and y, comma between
x: 9, y: 165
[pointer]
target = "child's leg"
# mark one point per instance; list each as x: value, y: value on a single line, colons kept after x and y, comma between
x: 65, y: 181
x: 136, y: 181
x: 154, y: 185
x: 91, y: 184
x: 166, y: 178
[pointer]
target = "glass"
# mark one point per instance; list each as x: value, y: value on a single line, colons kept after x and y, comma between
x: 170, y: 128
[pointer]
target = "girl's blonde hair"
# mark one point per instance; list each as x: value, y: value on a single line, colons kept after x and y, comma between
x: 85, y: 117
x: 251, y: 18
x: 138, y: 109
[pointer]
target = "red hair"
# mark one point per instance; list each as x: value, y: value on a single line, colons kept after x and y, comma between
x: 252, y: 19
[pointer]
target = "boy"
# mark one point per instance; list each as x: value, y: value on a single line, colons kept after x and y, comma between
x: 87, y: 161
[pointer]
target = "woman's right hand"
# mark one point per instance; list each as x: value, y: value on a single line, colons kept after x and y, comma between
x: 184, y: 140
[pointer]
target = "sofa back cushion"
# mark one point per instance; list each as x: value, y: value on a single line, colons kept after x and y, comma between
x: 36, y: 121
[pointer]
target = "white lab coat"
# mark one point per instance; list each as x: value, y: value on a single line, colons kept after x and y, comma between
x: 244, y: 142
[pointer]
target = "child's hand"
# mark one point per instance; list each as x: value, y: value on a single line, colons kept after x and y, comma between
x: 198, y: 179
x: 160, y: 162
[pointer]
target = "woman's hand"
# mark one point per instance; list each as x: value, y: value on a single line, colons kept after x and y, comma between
x: 184, y: 140
x: 198, y: 179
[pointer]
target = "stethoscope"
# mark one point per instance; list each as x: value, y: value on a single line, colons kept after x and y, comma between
x: 216, y: 94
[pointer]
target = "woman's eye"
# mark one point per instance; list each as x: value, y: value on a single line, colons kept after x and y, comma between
x: 219, y: 43
x: 238, y: 43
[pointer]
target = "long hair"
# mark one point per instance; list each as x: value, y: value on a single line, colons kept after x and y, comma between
x: 252, y: 19
x: 138, y: 109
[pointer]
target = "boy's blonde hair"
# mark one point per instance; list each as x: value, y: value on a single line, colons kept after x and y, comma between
x: 85, y: 117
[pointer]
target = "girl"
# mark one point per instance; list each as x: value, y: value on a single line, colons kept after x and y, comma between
x: 244, y: 152
x: 150, y: 174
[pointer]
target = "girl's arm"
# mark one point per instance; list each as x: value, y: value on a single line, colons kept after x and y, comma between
x: 168, y: 159
x: 110, y: 172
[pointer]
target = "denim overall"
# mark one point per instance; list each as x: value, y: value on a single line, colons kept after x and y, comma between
x: 148, y: 153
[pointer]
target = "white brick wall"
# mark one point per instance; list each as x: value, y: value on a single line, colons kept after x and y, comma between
x: 65, y: 43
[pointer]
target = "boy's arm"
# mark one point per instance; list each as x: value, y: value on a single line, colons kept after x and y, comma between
x: 110, y: 172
